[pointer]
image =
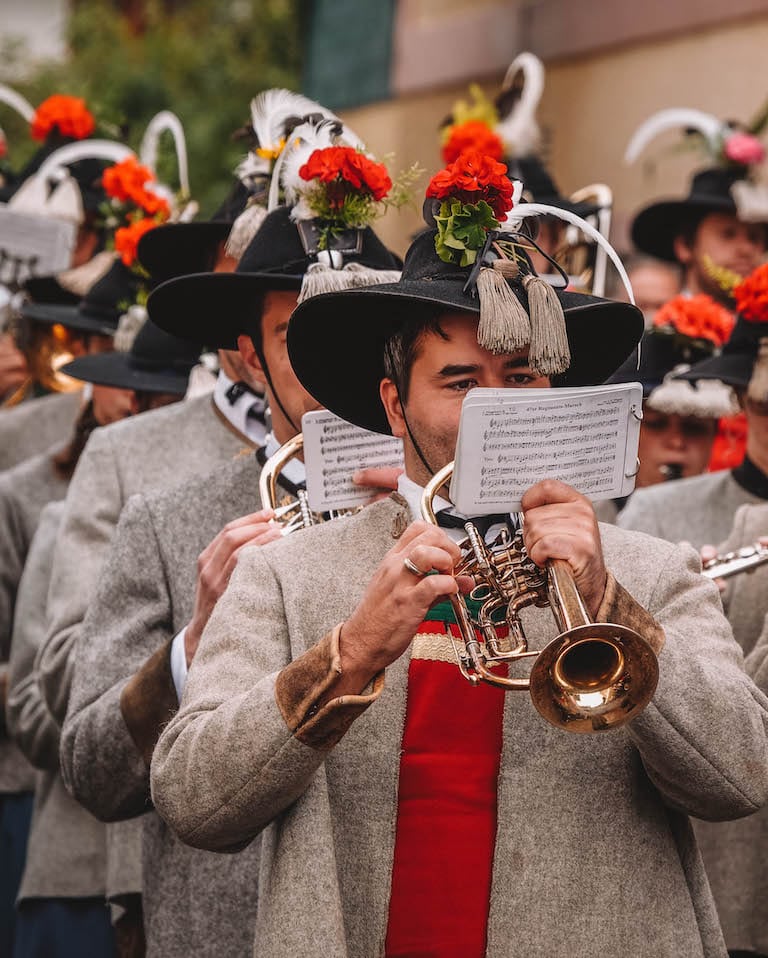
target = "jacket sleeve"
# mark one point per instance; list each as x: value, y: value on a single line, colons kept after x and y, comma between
x: 30, y: 723
x: 94, y: 501
x: 122, y: 645
x: 756, y: 663
x: 244, y: 687
x: 13, y: 549
x: 703, y: 737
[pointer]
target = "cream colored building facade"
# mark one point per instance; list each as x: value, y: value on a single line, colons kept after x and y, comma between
x: 609, y: 65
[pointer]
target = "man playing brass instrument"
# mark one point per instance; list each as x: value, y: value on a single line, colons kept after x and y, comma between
x: 404, y: 811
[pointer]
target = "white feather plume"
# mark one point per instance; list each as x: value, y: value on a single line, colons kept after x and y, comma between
x: 519, y: 129
x: 15, y: 100
x: 162, y: 122
x: 271, y: 108
x: 526, y: 210
x: 304, y: 140
x: 85, y: 149
x: 675, y: 117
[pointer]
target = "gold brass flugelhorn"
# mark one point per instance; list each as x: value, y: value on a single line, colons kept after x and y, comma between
x: 592, y: 677
x: 295, y: 513
x: 732, y: 563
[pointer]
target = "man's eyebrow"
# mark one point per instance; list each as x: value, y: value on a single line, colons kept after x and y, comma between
x: 514, y: 362
x: 281, y: 327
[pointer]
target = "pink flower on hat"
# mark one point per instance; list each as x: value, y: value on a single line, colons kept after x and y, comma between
x: 744, y: 148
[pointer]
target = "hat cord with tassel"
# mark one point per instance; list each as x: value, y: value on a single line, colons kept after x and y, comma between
x: 550, y: 353
x: 504, y: 325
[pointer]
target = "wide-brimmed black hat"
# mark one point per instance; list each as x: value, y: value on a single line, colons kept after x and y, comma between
x: 215, y: 308
x: 734, y: 365
x: 176, y: 249
x: 156, y: 362
x: 99, y: 311
x: 541, y: 188
x: 655, y: 228
x: 336, y: 341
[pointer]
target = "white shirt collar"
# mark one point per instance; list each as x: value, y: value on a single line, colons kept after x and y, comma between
x: 236, y: 412
x: 412, y: 492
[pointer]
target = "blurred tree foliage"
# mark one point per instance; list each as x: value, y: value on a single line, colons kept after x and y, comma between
x: 202, y: 59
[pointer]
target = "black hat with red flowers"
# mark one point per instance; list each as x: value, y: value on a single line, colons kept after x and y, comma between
x: 320, y: 241
x: 472, y: 259
x: 743, y: 362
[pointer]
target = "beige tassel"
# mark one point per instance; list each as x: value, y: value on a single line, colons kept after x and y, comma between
x: 79, y: 279
x: 128, y: 328
x: 757, y: 390
x: 245, y: 227
x: 504, y: 325
x: 550, y: 353
x: 321, y: 278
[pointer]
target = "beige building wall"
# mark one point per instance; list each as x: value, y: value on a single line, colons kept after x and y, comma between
x: 591, y: 105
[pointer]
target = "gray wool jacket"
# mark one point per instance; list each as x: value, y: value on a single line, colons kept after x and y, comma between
x: 150, y: 451
x: 195, y: 902
x: 36, y: 424
x: 66, y: 849
x: 736, y: 853
x: 593, y: 840
x: 698, y: 510
x: 24, y: 491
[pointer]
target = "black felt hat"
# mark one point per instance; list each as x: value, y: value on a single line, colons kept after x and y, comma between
x: 735, y: 364
x: 215, y: 308
x: 176, y: 249
x: 655, y: 228
x: 661, y: 350
x: 156, y: 362
x: 541, y: 188
x: 99, y: 311
x: 336, y: 340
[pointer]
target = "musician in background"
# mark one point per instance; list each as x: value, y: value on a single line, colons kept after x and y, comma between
x: 736, y: 853
x: 654, y: 283
x: 679, y: 421
x: 700, y: 510
x: 174, y: 551
x: 406, y: 811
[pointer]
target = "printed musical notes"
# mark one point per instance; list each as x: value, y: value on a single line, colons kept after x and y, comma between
x: 511, y: 438
x: 333, y: 450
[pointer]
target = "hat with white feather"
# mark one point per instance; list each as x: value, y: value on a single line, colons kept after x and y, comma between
x: 732, y: 182
x: 191, y: 247
x: 319, y: 239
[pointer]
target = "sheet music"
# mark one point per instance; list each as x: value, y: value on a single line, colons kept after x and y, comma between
x: 333, y: 450
x: 33, y: 245
x: 510, y: 439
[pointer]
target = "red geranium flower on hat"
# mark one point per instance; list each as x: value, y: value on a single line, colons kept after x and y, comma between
x: 126, y: 181
x: 699, y: 317
x: 473, y: 177
x: 347, y: 170
x: 751, y: 296
x: 127, y: 238
x: 472, y: 136
x: 67, y: 114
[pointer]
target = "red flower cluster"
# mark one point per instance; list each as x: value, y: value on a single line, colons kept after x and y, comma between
x: 127, y: 238
x: 125, y: 182
x: 699, y: 317
x: 341, y: 165
x: 474, y: 177
x: 751, y: 296
x: 474, y: 135
x: 68, y: 114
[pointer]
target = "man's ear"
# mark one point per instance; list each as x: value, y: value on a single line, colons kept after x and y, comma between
x: 683, y: 252
x: 251, y: 359
x: 390, y: 399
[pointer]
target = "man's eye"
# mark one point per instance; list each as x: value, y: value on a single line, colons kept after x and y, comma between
x: 520, y: 379
x: 462, y: 385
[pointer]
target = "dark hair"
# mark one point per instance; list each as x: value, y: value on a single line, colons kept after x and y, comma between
x: 64, y: 462
x: 401, y: 349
